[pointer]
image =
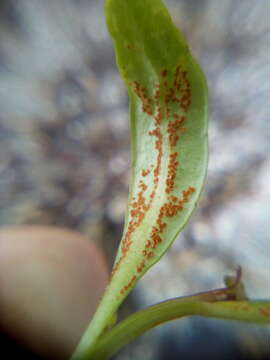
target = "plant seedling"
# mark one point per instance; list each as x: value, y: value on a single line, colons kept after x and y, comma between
x: 168, y: 125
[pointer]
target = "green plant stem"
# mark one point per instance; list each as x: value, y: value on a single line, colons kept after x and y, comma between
x: 144, y: 320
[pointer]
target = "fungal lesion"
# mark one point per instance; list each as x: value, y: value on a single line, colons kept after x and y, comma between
x: 169, y: 209
x: 146, y: 101
x: 167, y: 107
x: 145, y: 172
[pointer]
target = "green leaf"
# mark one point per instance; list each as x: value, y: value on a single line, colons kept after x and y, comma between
x: 168, y: 110
x: 168, y: 113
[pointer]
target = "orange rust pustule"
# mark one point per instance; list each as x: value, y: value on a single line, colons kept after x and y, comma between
x: 145, y: 172
x: 172, y: 168
x: 138, y: 209
x: 174, y: 129
x: 142, y: 186
x: 157, y: 97
x: 169, y: 95
x: 146, y: 101
x: 140, y: 267
x: 183, y: 94
x: 158, y: 145
x: 187, y: 193
x: 169, y: 209
x: 126, y: 287
x: 158, y: 116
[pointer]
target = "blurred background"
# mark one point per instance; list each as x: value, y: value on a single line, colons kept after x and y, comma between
x: 64, y: 154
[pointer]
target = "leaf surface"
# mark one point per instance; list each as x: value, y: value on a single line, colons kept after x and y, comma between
x: 168, y: 112
x: 168, y: 125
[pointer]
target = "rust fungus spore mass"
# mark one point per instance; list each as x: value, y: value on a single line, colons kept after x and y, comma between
x: 140, y: 91
x: 168, y: 106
